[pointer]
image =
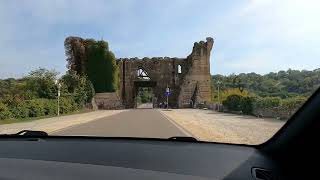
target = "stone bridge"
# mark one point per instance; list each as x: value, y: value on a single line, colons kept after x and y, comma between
x: 188, y: 78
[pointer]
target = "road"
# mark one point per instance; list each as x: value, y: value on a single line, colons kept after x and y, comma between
x: 134, y: 123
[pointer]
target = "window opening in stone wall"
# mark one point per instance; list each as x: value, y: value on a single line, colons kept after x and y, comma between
x: 142, y: 74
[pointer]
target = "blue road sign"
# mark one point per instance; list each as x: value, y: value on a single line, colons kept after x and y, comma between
x: 167, y: 93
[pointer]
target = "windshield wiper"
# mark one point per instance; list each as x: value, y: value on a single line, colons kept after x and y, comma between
x: 28, y: 133
x: 183, y: 138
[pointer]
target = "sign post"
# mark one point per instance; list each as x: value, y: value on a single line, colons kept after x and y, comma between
x: 218, y: 95
x: 167, y: 94
x: 59, y: 86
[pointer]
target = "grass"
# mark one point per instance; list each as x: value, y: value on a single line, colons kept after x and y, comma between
x: 10, y: 121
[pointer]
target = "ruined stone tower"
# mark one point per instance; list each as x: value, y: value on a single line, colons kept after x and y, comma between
x: 188, y: 78
x: 196, y: 82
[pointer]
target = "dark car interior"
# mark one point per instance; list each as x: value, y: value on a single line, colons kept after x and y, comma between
x: 291, y: 153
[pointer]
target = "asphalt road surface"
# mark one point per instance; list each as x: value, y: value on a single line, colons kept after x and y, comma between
x: 134, y: 123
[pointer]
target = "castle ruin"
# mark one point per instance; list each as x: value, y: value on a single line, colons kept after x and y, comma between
x: 188, y: 78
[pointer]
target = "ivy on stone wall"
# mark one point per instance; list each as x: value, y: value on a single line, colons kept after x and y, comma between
x: 94, y: 59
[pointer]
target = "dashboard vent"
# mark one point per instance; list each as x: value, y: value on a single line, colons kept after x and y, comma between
x: 262, y: 174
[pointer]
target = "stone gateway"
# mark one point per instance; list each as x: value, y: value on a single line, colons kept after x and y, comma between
x: 188, y: 78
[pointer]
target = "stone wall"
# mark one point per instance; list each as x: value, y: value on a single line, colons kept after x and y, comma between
x: 163, y: 72
x: 192, y: 84
x: 196, y: 83
x: 107, y: 101
x: 272, y: 113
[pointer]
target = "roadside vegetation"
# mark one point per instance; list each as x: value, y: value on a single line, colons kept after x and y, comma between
x: 36, y: 95
x: 276, y: 95
x: 91, y: 68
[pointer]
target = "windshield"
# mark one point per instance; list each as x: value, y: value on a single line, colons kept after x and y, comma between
x: 231, y: 72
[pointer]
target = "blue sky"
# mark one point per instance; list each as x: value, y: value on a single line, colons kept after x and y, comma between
x: 250, y: 35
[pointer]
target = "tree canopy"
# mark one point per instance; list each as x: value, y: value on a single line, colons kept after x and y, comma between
x: 282, y: 84
x: 36, y: 94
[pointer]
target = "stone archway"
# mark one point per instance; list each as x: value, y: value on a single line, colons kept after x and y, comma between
x: 144, y: 84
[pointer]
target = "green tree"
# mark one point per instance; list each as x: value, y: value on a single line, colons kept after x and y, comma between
x: 77, y: 87
x: 233, y: 102
x: 247, y: 104
x: 283, y: 84
x: 40, y: 83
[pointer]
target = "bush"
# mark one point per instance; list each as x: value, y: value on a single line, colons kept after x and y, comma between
x: 239, y: 103
x: 4, y: 112
x: 247, y: 104
x: 67, y: 105
x: 77, y: 87
x: 233, y: 102
x: 228, y: 92
x: 50, y: 107
x: 277, y: 107
x: 267, y: 102
x: 36, y: 107
x: 21, y: 110
x: 293, y: 103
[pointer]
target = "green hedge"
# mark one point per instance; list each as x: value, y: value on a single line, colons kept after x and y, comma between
x: 267, y: 102
x: 293, y: 103
x: 248, y: 104
x: 67, y: 105
x: 44, y: 107
x: 50, y: 107
x: 239, y: 103
x: 38, y: 108
x: 4, y: 112
x: 21, y: 110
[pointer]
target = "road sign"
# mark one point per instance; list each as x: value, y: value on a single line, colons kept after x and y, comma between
x: 167, y: 93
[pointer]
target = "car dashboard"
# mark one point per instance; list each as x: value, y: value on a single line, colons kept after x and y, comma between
x: 90, y: 158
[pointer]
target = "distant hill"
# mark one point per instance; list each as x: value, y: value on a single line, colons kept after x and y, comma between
x: 281, y: 84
